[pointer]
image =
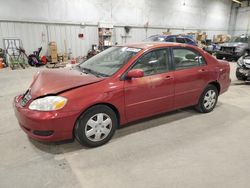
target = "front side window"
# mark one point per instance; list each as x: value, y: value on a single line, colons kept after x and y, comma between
x: 154, y: 62
x: 109, y: 61
x: 186, y: 58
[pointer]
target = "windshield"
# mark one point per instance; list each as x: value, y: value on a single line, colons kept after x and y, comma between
x: 155, y: 39
x: 109, y: 61
x: 242, y: 39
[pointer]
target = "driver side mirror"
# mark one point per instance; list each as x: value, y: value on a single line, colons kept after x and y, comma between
x: 135, y: 73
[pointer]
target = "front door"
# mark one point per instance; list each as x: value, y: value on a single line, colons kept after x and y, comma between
x: 152, y: 93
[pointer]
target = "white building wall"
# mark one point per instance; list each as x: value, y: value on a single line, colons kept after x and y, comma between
x: 59, y: 20
x: 242, y: 23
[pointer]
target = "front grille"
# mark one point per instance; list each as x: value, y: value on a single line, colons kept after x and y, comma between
x: 43, y: 133
x: 228, y: 49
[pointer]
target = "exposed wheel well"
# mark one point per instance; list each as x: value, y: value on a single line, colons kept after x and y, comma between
x: 216, y: 84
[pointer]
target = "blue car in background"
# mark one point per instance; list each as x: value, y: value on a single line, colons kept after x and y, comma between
x: 172, y: 38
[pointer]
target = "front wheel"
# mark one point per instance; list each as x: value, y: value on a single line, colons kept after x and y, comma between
x: 208, y: 99
x: 96, y: 126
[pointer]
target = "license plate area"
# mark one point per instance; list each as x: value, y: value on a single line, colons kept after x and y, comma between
x: 25, y: 99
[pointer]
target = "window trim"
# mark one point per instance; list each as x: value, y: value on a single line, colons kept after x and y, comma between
x: 188, y: 48
x: 124, y: 75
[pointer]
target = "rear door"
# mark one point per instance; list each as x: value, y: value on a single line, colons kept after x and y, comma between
x: 191, y: 76
x: 152, y: 93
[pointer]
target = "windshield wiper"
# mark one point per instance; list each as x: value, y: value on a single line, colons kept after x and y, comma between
x: 97, y: 74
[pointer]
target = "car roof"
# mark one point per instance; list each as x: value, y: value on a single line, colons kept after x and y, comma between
x: 151, y: 45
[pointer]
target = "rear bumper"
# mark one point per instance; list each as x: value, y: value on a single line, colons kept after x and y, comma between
x: 45, y: 126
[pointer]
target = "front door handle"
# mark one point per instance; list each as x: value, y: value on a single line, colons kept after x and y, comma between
x: 202, y: 70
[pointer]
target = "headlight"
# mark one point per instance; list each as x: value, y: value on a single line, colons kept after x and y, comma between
x: 49, y: 103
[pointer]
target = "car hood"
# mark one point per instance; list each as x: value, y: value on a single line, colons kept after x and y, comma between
x: 233, y: 44
x: 55, y: 81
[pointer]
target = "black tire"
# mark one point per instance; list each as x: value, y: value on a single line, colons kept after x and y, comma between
x: 201, y: 107
x: 81, y: 125
x: 239, y: 75
x: 30, y: 62
x: 219, y: 56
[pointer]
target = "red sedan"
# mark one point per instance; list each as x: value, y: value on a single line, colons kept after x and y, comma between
x: 119, y: 85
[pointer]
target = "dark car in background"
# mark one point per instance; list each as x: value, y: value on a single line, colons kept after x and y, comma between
x: 185, y: 39
x: 243, y: 68
x: 234, y: 49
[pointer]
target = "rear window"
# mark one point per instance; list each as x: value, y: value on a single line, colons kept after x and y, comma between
x: 180, y: 40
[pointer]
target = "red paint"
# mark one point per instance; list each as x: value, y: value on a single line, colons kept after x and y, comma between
x: 53, y: 81
x: 135, y: 73
x: 135, y: 98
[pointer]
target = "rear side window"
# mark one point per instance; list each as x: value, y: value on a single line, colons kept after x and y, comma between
x: 185, y: 58
x: 180, y: 40
x: 154, y: 62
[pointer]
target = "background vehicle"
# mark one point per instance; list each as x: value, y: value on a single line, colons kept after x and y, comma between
x: 243, y: 68
x: 234, y: 49
x: 119, y: 85
x: 172, y: 38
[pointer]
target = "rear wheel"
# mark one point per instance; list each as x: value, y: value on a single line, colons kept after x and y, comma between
x: 96, y: 126
x: 208, y: 99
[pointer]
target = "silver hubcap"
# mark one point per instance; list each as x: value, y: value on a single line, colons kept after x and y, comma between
x: 209, y: 99
x: 98, y: 127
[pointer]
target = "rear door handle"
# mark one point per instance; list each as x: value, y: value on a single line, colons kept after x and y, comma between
x: 169, y: 78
